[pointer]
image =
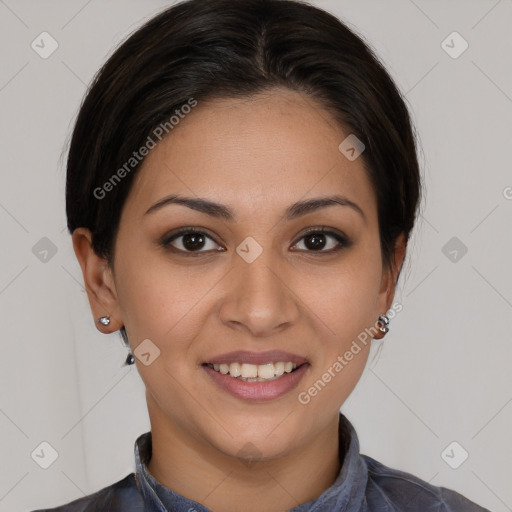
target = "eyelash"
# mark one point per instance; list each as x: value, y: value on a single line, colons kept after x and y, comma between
x: 342, y: 239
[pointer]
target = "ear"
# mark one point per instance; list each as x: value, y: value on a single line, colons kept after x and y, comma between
x: 99, y: 281
x: 390, y: 275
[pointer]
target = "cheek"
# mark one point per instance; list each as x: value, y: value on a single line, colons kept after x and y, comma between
x: 160, y: 302
x: 148, y: 298
x: 346, y: 299
x: 343, y: 348
x: 346, y: 304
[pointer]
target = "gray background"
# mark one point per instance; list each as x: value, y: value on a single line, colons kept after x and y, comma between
x: 443, y: 373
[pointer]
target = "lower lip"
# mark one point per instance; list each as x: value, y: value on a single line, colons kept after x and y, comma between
x: 258, y: 391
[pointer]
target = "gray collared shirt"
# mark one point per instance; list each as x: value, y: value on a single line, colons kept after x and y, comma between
x: 363, y: 485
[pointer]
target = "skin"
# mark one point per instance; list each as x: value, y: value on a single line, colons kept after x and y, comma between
x: 257, y: 156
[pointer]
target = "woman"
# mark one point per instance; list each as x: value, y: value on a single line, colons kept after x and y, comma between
x: 242, y: 184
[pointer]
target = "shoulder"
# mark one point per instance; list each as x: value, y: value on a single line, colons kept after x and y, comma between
x: 120, y: 496
x: 400, y: 490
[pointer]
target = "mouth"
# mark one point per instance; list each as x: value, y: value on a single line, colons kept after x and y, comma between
x: 247, y: 372
x: 257, y: 376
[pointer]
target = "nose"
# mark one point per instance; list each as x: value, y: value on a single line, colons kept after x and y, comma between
x: 260, y: 297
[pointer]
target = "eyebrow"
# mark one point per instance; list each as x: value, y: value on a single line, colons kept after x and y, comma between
x: 221, y: 211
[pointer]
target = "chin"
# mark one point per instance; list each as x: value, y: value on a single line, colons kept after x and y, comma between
x: 255, y: 437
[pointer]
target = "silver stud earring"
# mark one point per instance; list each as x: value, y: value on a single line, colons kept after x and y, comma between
x: 104, y: 320
x: 383, y: 322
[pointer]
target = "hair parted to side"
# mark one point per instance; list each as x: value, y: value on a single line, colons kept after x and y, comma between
x: 205, y: 49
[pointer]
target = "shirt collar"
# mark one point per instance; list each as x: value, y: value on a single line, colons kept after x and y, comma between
x: 345, y: 494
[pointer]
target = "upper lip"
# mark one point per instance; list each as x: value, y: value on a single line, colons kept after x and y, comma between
x: 269, y: 356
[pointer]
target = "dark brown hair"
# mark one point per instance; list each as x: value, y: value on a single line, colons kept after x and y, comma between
x: 206, y: 49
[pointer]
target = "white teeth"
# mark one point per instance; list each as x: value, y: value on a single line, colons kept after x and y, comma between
x: 288, y: 367
x: 249, y: 370
x: 266, y: 371
x: 253, y: 372
x: 278, y: 368
x: 234, y: 370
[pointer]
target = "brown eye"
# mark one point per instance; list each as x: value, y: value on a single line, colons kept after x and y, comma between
x: 190, y: 240
x: 193, y: 241
x: 315, y: 241
x: 322, y: 241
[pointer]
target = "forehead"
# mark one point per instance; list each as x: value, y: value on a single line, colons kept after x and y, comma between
x: 253, y: 153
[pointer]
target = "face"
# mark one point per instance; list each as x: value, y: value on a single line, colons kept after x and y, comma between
x: 257, y: 281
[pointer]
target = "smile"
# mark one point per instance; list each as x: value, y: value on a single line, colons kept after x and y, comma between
x: 256, y: 376
x: 253, y: 372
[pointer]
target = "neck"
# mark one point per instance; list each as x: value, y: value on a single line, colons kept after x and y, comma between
x: 199, y: 472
